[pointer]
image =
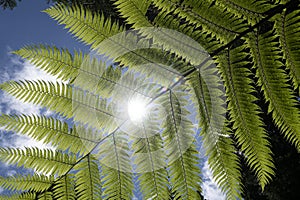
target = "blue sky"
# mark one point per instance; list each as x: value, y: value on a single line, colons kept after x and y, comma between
x: 27, y: 25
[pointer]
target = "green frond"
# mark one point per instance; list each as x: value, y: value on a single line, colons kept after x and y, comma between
x: 64, y: 188
x: 46, y: 161
x: 25, y: 196
x: 244, y: 113
x: 287, y: 27
x: 211, y: 19
x: 103, y: 80
x: 174, y: 42
x: 87, y: 179
x: 273, y: 82
x: 116, y: 169
x: 225, y: 165
x: 252, y: 6
x: 211, y: 13
x: 207, y: 93
x: 45, y: 196
x: 91, y: 28
x: 52, y: 60
x: 36, y: 182
x: 76, y: 139
x: 71, y: 102
x: 129, y: 50
x: 206, y: 42
x: 165, y: 58
x: 222, y: 159
x: 134, y: 12
x: 156, y: 65
x: 252, y: 16
x: 179, y: 141
x: 81, y: 70
x: 170, y: 40
x: 112, y: 45
x: 150, y: 158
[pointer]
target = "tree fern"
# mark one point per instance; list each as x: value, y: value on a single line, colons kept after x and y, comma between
x: 217, y: 60
x: 242, y: 9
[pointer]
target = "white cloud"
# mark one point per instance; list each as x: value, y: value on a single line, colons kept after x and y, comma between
x: 29, y: 71
x: 13, y: 105
x: 24, y: 141
x: 209, y: 186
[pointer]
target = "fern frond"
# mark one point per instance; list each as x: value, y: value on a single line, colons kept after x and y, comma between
x: 108, y: 44
x: 209, y: 44
x: 81, y: 70
x: 66, y: 100
x: 64, y: 188
x: 226, y: 20
x: 156, y: 64
x: 219, y: 148
x: 244, y: 114
x: 134, y: 12
x: 273, y: 82
x: 76, y: 139
x: 25, y: 196
x: 87, y: 179
x: 91, y: 28
x: 46, y: 161
x: 170, y: 40
x: 222, y: 25
x: 36, y: 182
x: 252, y: 6
x: 52, y: 60
x: 128, y: 49
x: 114, y: 158
x: 287, y: 27
x: 252, y: 16
x: 179, y: 143
x: 225, y: 165
x: 150, y: 158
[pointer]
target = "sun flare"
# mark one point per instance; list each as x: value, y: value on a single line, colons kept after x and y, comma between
x: 137, y: 109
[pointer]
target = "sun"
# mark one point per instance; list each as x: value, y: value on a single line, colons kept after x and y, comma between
x: 137, y: 109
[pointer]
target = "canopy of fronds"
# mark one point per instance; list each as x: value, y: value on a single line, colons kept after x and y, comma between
x: 221, y: 61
